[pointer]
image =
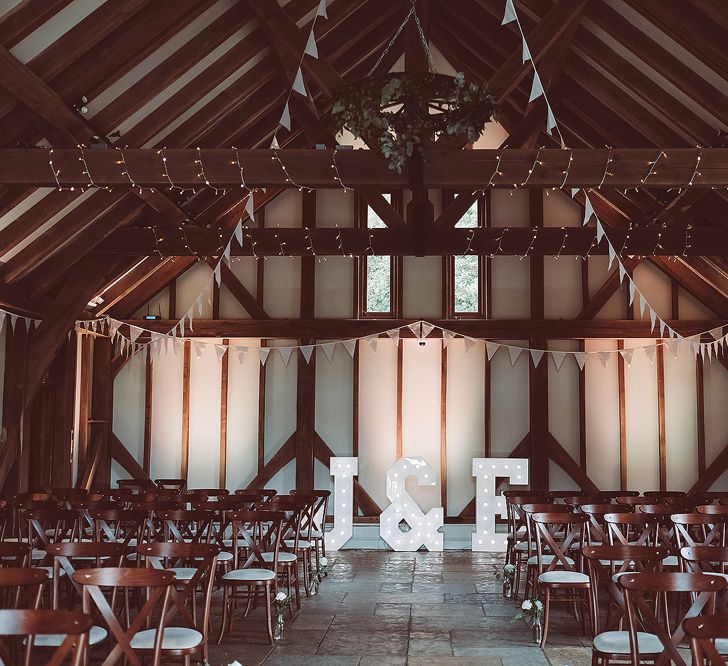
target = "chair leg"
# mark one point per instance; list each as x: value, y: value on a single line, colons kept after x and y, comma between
x: 224, y: 613
x: 546, y: 604
x: 268, y: 613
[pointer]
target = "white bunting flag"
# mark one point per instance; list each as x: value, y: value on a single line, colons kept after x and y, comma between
x: 550, y: 119
x: 306, y: 351
x: 226, y: 252
x: 298, y: 83
x: 514, y: 353
x: 536, y: 356
x: 469, y: 343
x: 328, y: 349
x: 490, y: 349
x: 274, y: 144
x: 199, y: 348
x: 643, y: 305
x: 717, y: 332
x: 134, y: 332
x: 285, y: 353
x: 612, y: 254
x: 558, y: 357
x: 311, y: 48
x: 604, y: 357
x: 600, y: 231
x: 627, y: 356
x: 240, y: 353
x: 574, y: 191
x: 632, y: 287
x: 673, y: 346
x: 622, y: 272
x: 653, y: 320
x: 373, y: 341
x: 580, y: 359
x: 509, y: 14
x: 94, y: 325
x: 239, y: 232
x: 321, y: 11
x: 525, y: 52
x: 285, y: 120
x: 536, y: 87
x: 394, y: 335
x: 662, y: 328
x: 426, y: 328
x: 217, y: 273
x: 416, y: 328
x: 249, y: 206
x: 113, y: 326
x: 263, y: 354
x: 588, y: 211
x: 350, y: 346
x: 220, y: 351
x: 649, y: 353
x: 447, y: 337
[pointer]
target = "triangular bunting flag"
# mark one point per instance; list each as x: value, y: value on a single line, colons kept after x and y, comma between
x: 416, y: 328
x: 94, y: 325
x: 604, y: 357
x: 240, y: 352
x: 426, y: 328
x: 514, y: 353
x: 447, y: 337
x: 588, y: 211
x: 649, y: 353
x: 372, y: 340
x: 469, y: 342
x: 321, y: 11
x: 717, y: 332
x: 134, y: 333
x: 627, y: 356
x: 199, y: 349
x: 189, y: 316
x: 622, y: 272
x: 574, y: 191
x: 490, y: 348
x: 226, y: 252
x: 580, y: 359
x: 612, y: 254
x: 550, y: 119
x: 653, y: 320
x: 239, y: 233
x: 328, y: 349
x: 509, y: 14
x: 285, y: 353
x: 600, y: 231
x: 536, y: 355
x: 673, y: 345
x: 536, y: 87
x: 525, y: 52
x: 558, y: 357
x: 220, y: 351
x: 311, y: 48
x: 217, y: 273
x: 249, y: 206
x: 632, y: 287
x: 263, y: 354
x: 285, y: 120
x: 394, y: 335
x: 643, y: 304
x: 274, y: 144
x: 298, y: 83
x: 662, y: 328
x: 350, y: 346
x: 306, y: 351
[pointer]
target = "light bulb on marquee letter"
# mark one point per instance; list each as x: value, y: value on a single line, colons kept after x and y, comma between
x: 423, y: 527
x: 343, y: 470
x: 488, y: 504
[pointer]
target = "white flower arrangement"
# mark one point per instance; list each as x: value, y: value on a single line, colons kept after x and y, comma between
x: 324, y: 562
x: 531, y: 611
x: 281, y: 596
x: 509, y: 569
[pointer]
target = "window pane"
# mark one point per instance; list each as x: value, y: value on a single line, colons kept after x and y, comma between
x: 466, y: 278
x: 373, y: 220
x: 379, y: 284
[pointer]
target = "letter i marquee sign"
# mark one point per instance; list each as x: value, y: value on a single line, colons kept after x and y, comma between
x: 424, y: 528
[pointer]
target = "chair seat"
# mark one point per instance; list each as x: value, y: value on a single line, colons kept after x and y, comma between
x: 617, y: 642
x: 174, y: 638
x: 546, y: 559
x: 222, y: 556
x: 616, y: 563
x: 670, y: 561
x: 521, y: 545
x: 302, y: 545
x: 38, y: 554
x: 282, y: 557
x: 316, y: 534
x: 89, y: 558
x: 95, y: 636
x: 183, y: 573
x: 563, y: 577
x: 249, y: 575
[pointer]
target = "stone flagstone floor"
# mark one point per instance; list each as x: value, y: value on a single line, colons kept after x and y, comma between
x: 384, y: 608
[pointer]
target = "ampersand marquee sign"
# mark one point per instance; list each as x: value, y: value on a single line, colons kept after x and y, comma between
x: 423, y: 529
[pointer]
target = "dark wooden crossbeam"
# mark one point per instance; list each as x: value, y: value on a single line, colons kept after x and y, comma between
x: 403, y: 241
x: 455, y: 169
x: 497, y: 329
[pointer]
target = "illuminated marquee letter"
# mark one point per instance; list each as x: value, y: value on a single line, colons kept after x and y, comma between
x: 488, y: 504
x: 423, y: 526
x: 343, y: 470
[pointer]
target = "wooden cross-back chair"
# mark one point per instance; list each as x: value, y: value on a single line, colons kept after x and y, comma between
x: 14, y: 554
x: 257, y: 537
x: 69, y: 629
x: 607, y: 564
x: 194, y: 567
x: 185, y: 526
x: 706, y: 559
x: 176, y: 485
x: 631, y: 529
x: 713, y: 509
x: 609, y: 495
x: 157, y: 584
x: 317, y: 520
x: 21, y: 587
x: 596, y: 527
x: 641, y: 616
x: 556, y: 535
x: 699, y: 529
x: 708, y: 639
x: 119, y: 525
x: 664, y: 528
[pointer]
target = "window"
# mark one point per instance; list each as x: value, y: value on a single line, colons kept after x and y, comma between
x: 377, y: 273
x: 464, y: 272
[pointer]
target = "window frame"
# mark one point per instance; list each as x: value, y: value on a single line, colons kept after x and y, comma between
x: 360, y: 276
x: 448, y: 267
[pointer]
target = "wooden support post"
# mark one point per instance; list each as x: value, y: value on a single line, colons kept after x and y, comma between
x: 305, y: 421
x: 700, y: 409
x: 224, y: 370
x: 184, y: 468
x: 148, y: 395
x: 16, y: 347
x: 261, y: 414
x: 84, y: 400
x: 622, y: 419
x: 355, y: 411
x: 400, y: 373
x: 443, y: 429
x: 660, y: 368
x: 102, y: 406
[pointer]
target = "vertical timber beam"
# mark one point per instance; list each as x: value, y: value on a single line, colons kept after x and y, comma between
x: 102, y: 407
x: 660, y: 368
x: 184, y: 468
x: 148, y: 389
x: 700, y: 409
x: 443, y: 429
x: 224, y: 371
x: 400, y: 377
x: 622, y: 419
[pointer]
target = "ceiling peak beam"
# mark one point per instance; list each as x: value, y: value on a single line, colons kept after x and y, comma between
x: 455, y: 169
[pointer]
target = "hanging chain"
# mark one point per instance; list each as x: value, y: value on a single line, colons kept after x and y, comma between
x: 393, y: 40
x: 423, y: 39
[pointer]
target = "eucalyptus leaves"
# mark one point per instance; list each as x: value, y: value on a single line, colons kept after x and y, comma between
x: 401, y: 113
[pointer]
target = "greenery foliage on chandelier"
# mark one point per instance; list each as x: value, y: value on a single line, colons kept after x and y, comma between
x: 400, y: 113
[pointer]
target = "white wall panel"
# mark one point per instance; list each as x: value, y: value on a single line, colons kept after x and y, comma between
x: 334, y: 396
x: 282, y: 287
x: 335, y: 288
x: 509, y: 208
x: 422, y: 292
x: 716, y: 424
x: 129, y: 399
x: 377, y: 416
x: 465, y: 420
x: 242, y: 425
x: 510, y: 279
x: 598, y: 269
x: 564, y: 410
x: 509, y: 401
x: 421, y: 372
x: 195, y: 281
x: 334, y: 208
x: 681, y: 423
x: 167, y: 415
x: 204, y: 455
x: 562, y: 287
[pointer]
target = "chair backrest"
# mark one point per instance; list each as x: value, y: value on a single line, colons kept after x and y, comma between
x: 186, y: 526
x: 256, y: 533
x: 52, y: 525
x: 596, y: 529
x: 609, y: 495
x: 703, y: 632
x: 632, y: 500
x: 637, y: 529
x: 556, y: 534
x: 14, y: 554
x: 135, y: 484
x: 31, y: 623
x: 688, y: 501
x: 21, y: 587
x: 172, y: 484
x: 294, y: 509
x: 121, y: 525
x: 664, y: 493
x: 158, y: 585
x: 699, y: 529
x: 579, y: 500
x: 713, y: 509
x: 705, y: 559
x: 320, y: 506
x: 641, y: 612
